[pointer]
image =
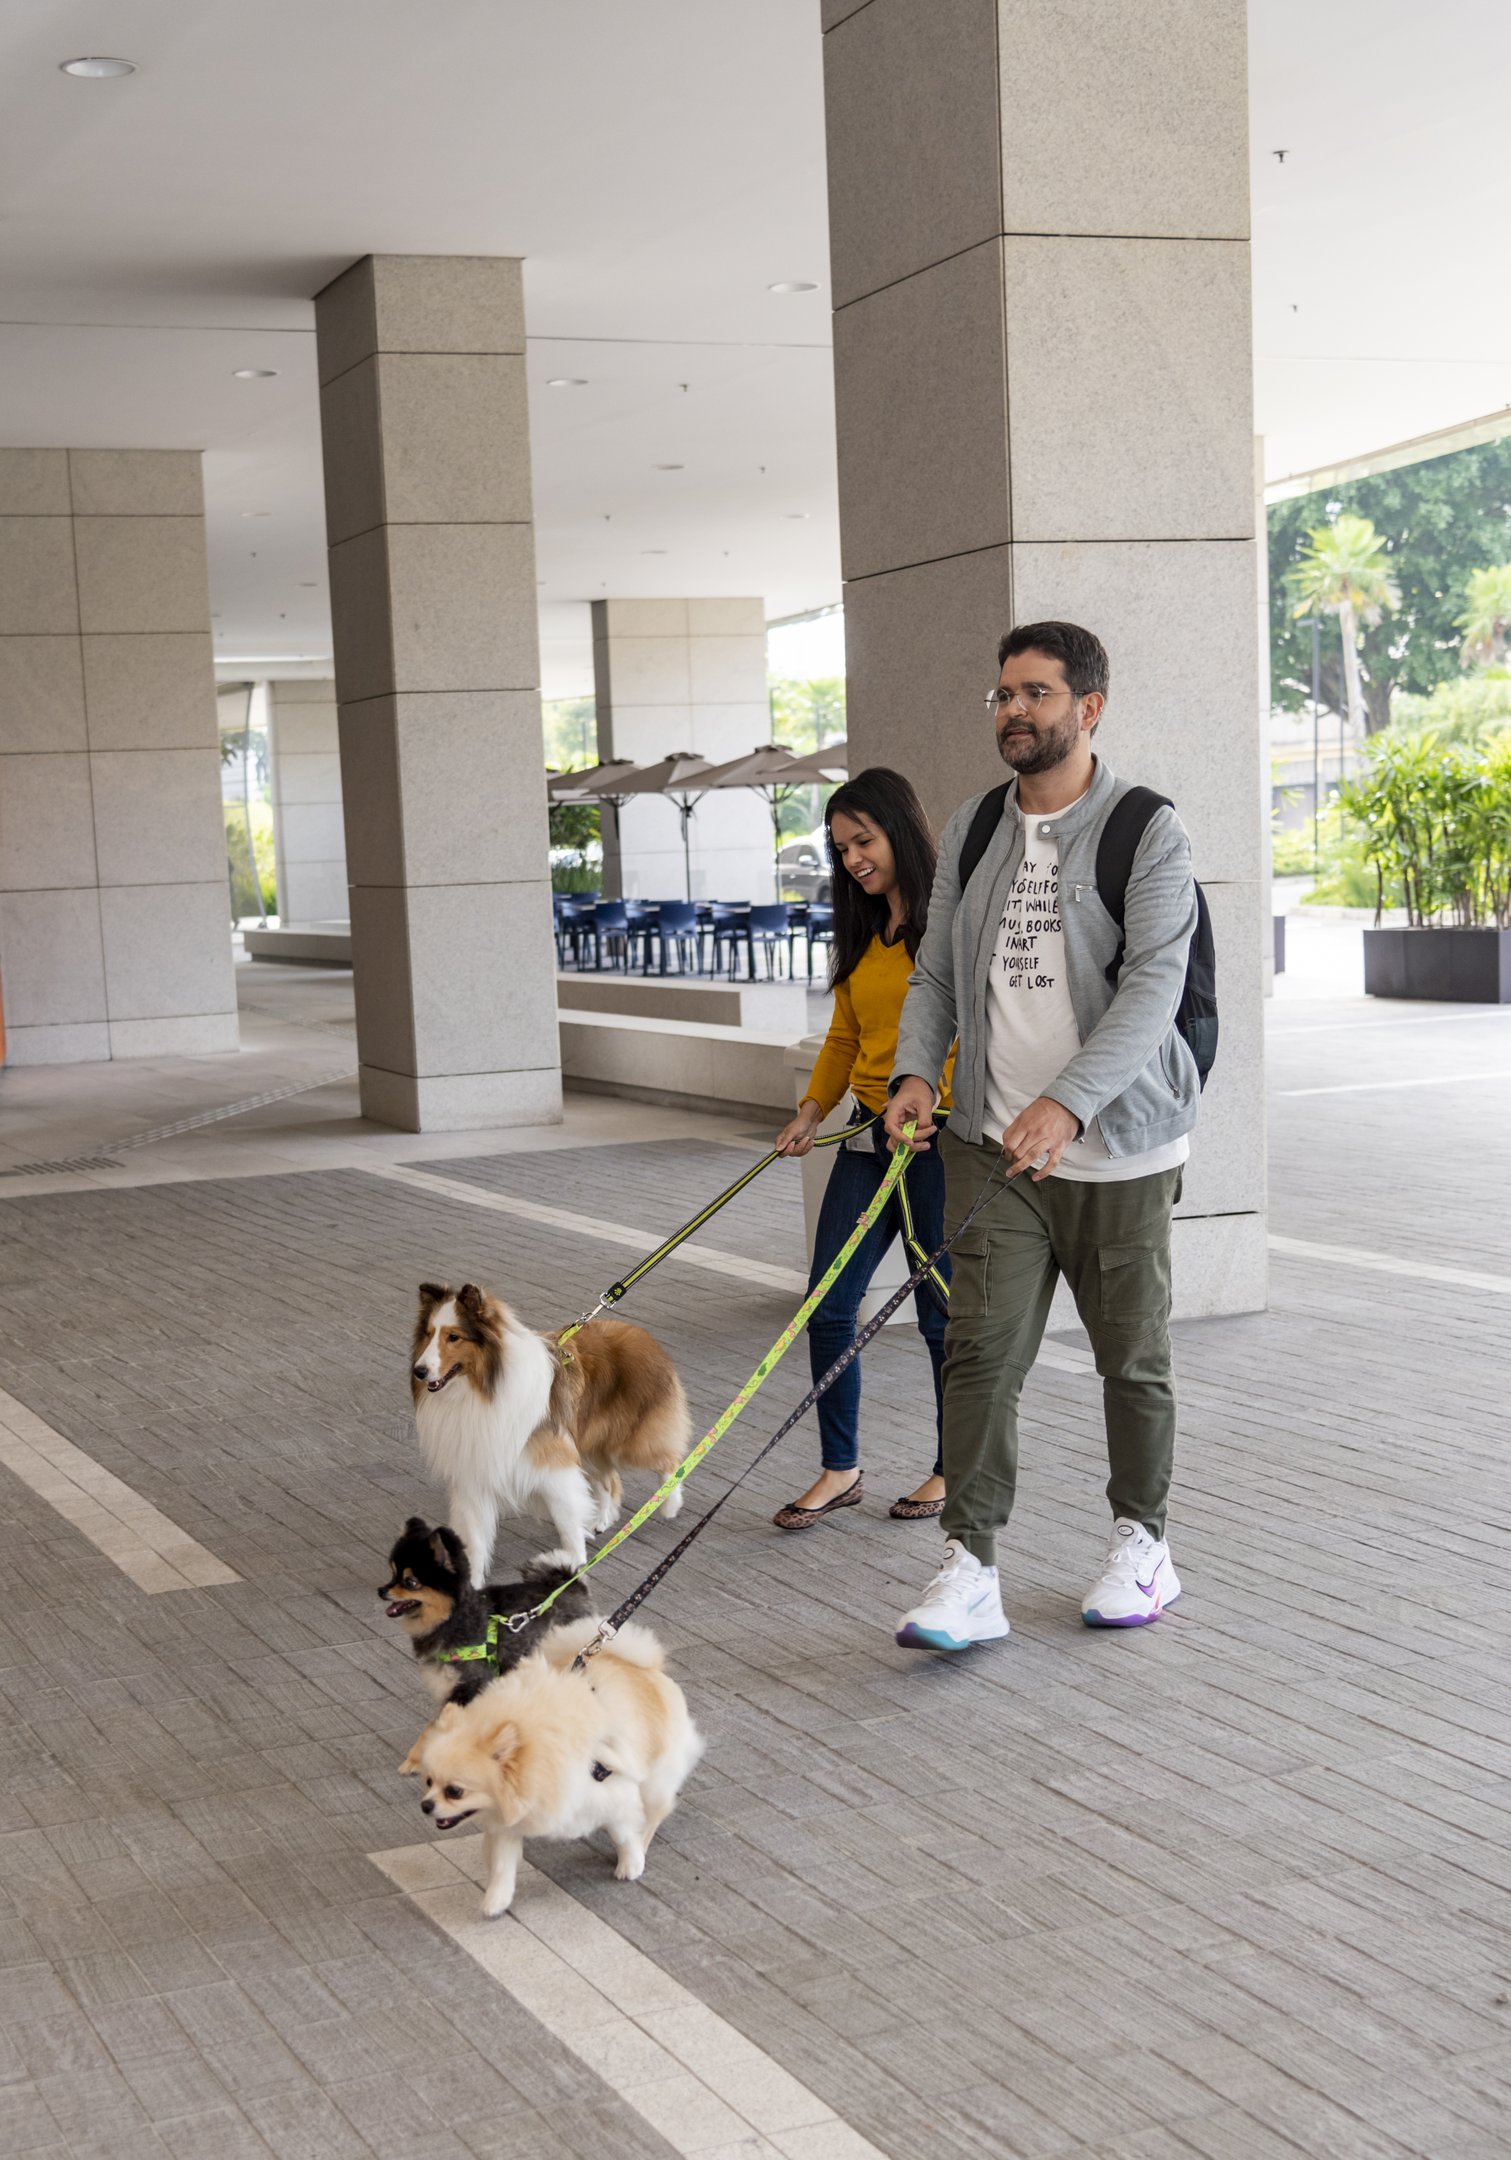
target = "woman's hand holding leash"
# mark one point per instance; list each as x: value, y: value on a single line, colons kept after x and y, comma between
x: 913, y: 1102
x: 797, y: 1137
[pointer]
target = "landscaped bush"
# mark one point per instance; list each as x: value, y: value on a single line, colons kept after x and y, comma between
x: 1436, y: 821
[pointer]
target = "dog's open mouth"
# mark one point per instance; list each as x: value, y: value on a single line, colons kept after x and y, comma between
x: 434, y: 1387
x: 449, y: 1822
x: 399, y: 1608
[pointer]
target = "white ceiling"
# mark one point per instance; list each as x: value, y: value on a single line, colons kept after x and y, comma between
x: 658, y: 164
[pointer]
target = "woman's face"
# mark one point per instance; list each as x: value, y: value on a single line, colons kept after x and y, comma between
x: 865, y: 851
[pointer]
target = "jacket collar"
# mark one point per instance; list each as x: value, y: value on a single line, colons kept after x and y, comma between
x: 1092, y: 806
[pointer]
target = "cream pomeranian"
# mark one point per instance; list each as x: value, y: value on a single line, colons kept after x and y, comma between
x: 548, y: 1752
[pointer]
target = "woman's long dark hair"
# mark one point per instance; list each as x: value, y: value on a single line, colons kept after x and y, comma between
x: 888, y: 801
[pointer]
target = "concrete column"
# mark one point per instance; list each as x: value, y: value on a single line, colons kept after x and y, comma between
x: 432, y: 569
x: 1039, y: 225
x: 684, y: 675
x: 309, y: 839
x: 114, y: 908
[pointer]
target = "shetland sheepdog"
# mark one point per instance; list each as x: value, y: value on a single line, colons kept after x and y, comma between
x: 516, y: 1421
x: 548, y: 1752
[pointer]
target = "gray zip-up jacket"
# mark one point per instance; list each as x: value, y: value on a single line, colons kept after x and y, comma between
x: 1133, y: 1071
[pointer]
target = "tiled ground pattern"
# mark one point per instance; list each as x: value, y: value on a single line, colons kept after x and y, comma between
x: 1233, y: 1886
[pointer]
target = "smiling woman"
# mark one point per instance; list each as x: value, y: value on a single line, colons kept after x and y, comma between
x: 883, y: 854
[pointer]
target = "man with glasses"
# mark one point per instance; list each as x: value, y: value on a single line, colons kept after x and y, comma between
x: 1071, y: 1068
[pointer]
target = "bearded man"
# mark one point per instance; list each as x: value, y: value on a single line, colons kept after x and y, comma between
x: 1070, y: 1066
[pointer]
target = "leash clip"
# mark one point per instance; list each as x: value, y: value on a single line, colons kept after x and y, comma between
x: 605, y: 1635
x: 517, y: 1622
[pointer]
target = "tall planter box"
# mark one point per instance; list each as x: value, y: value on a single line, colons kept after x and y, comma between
x: 1456, y: 967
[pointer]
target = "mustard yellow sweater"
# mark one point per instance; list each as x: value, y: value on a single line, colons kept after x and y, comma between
x: 862, y: 1040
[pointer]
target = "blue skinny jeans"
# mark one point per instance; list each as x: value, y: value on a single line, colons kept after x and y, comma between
x: 852, y: 1183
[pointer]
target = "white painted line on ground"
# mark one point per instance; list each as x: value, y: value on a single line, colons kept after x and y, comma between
x: 698, y: 2082
x: 129, y: 1530
x: 1375, y: 1087
x: 1384, y: 1264
x: 1284, y: 1033
x: 709, y: 1257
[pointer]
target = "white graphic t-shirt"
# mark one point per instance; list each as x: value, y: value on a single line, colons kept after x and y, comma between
x: 1031, y: 1031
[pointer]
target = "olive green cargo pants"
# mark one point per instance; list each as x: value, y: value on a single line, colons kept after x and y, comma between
x: 1111, y: 1242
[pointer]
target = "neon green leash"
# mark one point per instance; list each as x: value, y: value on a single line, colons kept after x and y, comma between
x: 663, y: 1251
x: 757, y: 1380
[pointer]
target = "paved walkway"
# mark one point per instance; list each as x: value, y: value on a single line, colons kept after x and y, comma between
x: 1233, y: 1886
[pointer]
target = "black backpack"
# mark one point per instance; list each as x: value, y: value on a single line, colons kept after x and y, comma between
x: 1196, y: 1015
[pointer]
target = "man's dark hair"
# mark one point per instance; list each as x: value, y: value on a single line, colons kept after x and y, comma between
x: 1082, y: 655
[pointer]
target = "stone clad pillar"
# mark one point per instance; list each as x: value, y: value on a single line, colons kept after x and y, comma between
x: 433, y: 608
x: 684, y: 675
x: 1039, y: 226
x: 115, y: 936
x: 309, y: 841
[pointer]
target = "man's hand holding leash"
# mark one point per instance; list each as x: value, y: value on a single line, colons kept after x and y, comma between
x: 1038, y: 1137
x: 912, y: 1099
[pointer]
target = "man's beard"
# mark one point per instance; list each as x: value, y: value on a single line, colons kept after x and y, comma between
x: 1047, y: 747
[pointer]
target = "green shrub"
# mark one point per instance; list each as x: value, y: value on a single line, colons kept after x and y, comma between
x: 1436, y: 819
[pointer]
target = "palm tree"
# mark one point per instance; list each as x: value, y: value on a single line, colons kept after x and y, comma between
x: 1487, y: 616
x: 1344, y: 570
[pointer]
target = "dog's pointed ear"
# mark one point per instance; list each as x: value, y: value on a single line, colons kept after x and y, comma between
x: 447, y: 1716
x: 417, y: 1527
x: 504, y: 1745
x: 470, y: 1298
x: 433, y: 1293
x: 447, y: 1550
x: 450, y: 1549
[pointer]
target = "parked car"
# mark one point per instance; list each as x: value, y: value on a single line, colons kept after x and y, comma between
x: 803, y: 869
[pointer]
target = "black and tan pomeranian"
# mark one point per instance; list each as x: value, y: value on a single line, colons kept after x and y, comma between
x: 429, y: 1591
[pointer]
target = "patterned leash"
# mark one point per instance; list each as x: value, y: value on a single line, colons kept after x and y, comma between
x: 925, y: 1273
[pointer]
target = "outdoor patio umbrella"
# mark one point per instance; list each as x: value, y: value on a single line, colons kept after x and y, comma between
x: 776, y: 774
x: 679, y: 777
x: 596, y: 783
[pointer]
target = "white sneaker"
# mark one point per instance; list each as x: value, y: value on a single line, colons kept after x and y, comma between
x: 1137, y: 1582
x: 962, y: 1605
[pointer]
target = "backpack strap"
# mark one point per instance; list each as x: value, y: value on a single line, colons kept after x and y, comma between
x: 979, y: 836
x: 1130, y: 818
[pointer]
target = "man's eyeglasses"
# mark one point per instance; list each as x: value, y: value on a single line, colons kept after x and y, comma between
x: 1000, y: 701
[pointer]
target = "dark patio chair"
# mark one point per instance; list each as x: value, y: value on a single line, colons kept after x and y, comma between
x: 723, y: 923
x: 673, y: 926
x: 769, y: 928
x: 611, y: 929
x: 818, y: 930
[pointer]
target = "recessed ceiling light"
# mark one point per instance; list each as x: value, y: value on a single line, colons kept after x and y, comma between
x: 257, y: 513
x: 653, y: 551
x: 97, y: 68
x: 793, y: 285
x: 309, y: 584
x: 792, y: 515
x: 567, y: 382
x: 253, y: 374
x: 671, y: 468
